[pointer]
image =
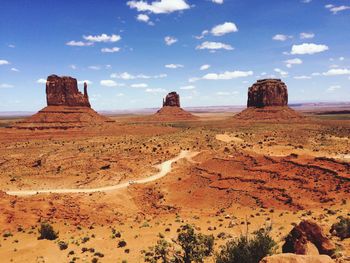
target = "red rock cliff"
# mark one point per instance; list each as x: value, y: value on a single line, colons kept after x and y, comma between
x: 172, y: 100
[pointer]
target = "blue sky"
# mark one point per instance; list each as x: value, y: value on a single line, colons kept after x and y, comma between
x: 210, y: 51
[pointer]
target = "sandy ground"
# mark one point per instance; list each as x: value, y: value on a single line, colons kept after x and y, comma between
x: 246, y: 174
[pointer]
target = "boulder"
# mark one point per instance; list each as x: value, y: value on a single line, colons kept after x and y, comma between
x: 268, y: 92
x: 63, y: 91
x: 292, y: 258
x: 172, y: 100
x: 299, y: 239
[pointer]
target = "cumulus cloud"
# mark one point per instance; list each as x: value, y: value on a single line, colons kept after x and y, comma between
x: 214, y: 46
x: 203, y: 34
x: 174, y: 66
x: 156, y: 90
x: 15, y: 69
x: 281, y: 72
x: 281, y: 37
x: 6, y: 86
x: 4, y: 62
x: 74, y: 43
x: 159, y: 6
x: 305, y: 35
x: 302, y: 77
x: 190, y: 87
x: 227, y: 75
x: 41, y: 81
x: 128, y: 76
x: 204, y: 67
x: 94, y: 67
x: 220, y: 2
x: 337, y: 72
x: 294, y: 61
x: 142, y: 18
x: 139, y: 85
x: 308, y: 48
x: 170, y: 40
x: 336, y: 9
x: 225, y: 28
x: 102, y: 38
x: 110, y: 83
x: 110, y: 50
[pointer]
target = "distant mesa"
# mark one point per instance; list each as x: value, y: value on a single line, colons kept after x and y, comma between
x: 268, y: 100
x: 66, y: 107
x: 171, y: 110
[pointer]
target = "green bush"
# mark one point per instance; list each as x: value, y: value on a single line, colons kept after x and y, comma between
x: 341, y: 229
x: 46, y: 232
x: 246, y: 249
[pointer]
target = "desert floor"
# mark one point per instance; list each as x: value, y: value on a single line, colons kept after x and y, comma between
x: 242, y: 176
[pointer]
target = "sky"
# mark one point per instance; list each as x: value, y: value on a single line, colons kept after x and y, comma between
x: 132, y: 53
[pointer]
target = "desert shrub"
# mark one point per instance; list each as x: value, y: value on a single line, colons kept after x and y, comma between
x: 46, y: 232
x: 121, y: 243
x: 247, y: 249
x: 62, y: 245
x: 188, y: 247
x: 341, y: 229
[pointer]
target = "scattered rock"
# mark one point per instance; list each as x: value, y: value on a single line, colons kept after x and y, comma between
x: 299, y: 239
x: 292, y: 258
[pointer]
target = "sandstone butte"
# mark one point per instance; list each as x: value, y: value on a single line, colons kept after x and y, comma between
x: 268, y: 100
x: 66, y: 107
x: 171, y: 110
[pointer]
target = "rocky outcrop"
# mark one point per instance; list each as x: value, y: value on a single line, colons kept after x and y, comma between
x: 172, y: 100
x: 268, y: 92
x: 63, y: 91
x: 307, y: 237
x: 292, y: 258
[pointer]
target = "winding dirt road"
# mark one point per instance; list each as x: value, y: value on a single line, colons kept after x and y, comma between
x: 164, y: 169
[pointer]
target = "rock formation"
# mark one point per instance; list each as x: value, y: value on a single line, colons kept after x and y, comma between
x: 268, y: 101
x: 66, y: 107
x: 292, y: 258
x: 171, y: 110
x: 308, y: 238
x: 172, y: 100
x: 63, y: 91
x: 268, y: 92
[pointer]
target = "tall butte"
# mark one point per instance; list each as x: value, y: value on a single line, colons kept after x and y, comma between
x: 66, y: 107
x: 268, y: 100
x: 171, y: 110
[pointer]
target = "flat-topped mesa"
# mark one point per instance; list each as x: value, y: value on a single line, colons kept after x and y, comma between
x: 172, y: 100
x: 268, y: 92
x: 63, y: 91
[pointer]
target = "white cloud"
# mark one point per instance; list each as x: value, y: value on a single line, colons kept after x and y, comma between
x: 11, y: 46
x: 225, y: 28
x: 4, y: 62
x: 157, y: 90
x: 170, y: 40
x: 281, y: 72
x: 302, y: 77
x: 174, y: 66
x: 308, y: 48
x: 305, y: 35
x: 306, y: 1
x: 6, y: 86
x: 227, y: 75
x: 102, y: 38
x: 128, y: 76
x: 142, y: 18
x: 203, y: 34
x: 41, y: 81
x: 110, y: 50
x: 159, y: 7
x: 190, y: 87
x: 110, y: 83
x: 74, y: 67
x: 74, y: 43
x: 281, y: 37
x: 139, y: 85
x: 220, y: 2
x: 204, y: 67
x: 337, y: 72
x: 336, y: 9
x: 214, y: 46
x: 15, y: 69
x: 94, y: 67
x: 193, y: 79
x: 333, y: 88
x: 341, y: 58
x: 294, y: 61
